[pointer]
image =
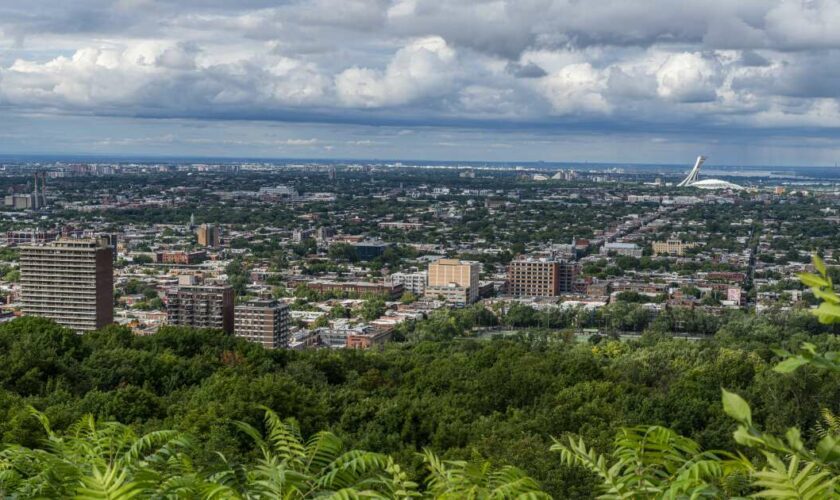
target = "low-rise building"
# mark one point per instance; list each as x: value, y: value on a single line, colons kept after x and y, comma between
x: 412, y: 282
x: 370, y: 249
x: 452, y: 294
x: 671, y: 247
x: 180, y: 257
x: 366, y: 340
x: 626, y: 249
x: 404, y: 226
x: 392, y: 291
x: 35, y: 237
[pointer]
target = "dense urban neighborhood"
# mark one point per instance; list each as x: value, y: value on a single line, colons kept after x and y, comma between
x: 355, y: 255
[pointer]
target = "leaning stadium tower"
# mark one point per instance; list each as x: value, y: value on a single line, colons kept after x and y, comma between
x: 695, y: 171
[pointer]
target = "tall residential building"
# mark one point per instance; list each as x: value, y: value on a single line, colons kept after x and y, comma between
x: 70, y: 281
x: 208, y: 235
x: 446, y: 276
x: 412, y: 282
x: 200, y: 306
x: 298, y: 235
x: 263, y: 321
x: 532, y: 277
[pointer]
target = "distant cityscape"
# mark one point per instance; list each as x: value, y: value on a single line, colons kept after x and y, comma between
x: 342, y: 255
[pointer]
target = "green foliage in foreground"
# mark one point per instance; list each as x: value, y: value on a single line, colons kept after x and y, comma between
x: 109, y: 461
x: 655, y: 462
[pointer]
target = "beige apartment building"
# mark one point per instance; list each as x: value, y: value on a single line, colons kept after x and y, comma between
x: 456, y: 280
x: 70, y: 281
x: 263, y: 321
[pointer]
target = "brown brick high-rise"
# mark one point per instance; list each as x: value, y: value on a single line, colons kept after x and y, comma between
x: 530, y: 277
x: 200, y: 306
x: 263, y: 321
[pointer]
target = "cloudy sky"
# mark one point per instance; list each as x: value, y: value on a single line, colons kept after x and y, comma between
x: 745, y: 82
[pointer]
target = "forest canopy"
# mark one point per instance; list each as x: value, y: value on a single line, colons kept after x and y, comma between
x: 500, y: 400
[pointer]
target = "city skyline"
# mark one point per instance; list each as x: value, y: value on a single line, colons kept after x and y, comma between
x: 748, y: 83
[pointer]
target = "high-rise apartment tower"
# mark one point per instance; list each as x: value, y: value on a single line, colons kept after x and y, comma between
x: 70, y: 281
x: 200, y: 306
x: 534, y: 277
x: 208, y: 235
x: 263, y: 321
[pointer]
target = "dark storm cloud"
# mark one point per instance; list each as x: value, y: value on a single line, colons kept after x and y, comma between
x: 805, y: 76
x: 528, y: 70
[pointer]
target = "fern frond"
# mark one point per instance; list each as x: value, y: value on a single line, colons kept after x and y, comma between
x: 350, y: 468
x: 109, y: 484
x: 794, y: 480
x: 321, y: 450
x: 274, y: 479
x: 148, y: 442
x: 829, y: 423
x: 576, y: 453
x: 284, y: 437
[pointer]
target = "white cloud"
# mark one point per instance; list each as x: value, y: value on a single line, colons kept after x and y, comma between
x: 688, y: 77
x: 424, y: 68
x: 576, y: 88
x: 296, y: 82
x: 161, y: 75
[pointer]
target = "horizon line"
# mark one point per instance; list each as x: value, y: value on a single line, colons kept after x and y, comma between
x: 144, y: 158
